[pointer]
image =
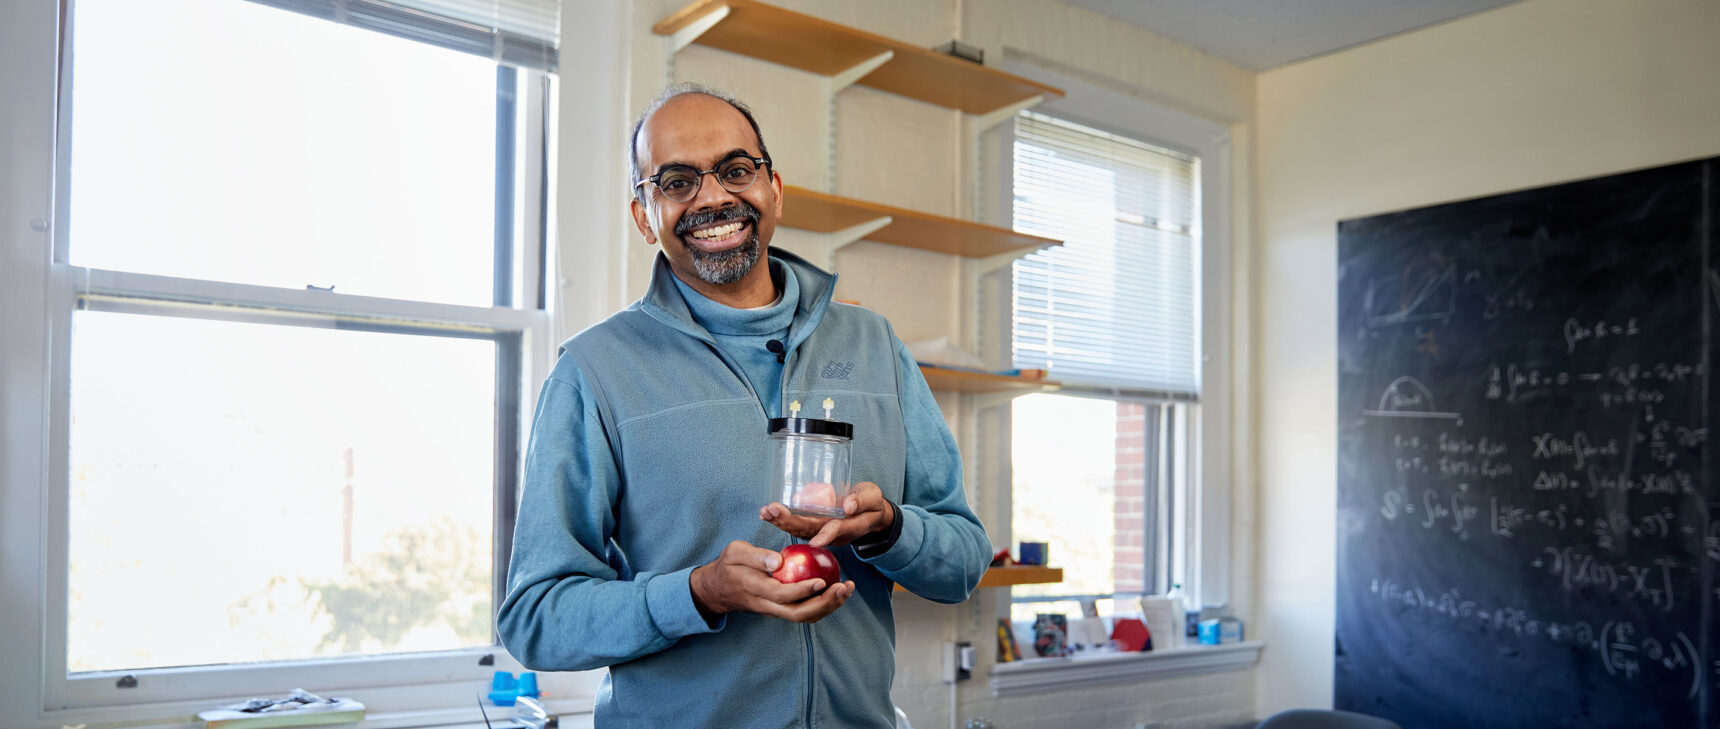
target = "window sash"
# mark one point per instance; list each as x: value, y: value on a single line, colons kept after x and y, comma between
x: 518, y: 322
x: 519, y: 331
x: 1118, y: 304
x: 522, y: 33
x: 1166, y: 511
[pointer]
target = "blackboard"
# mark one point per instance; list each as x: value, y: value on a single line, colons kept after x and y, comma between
x: 1527, y: 507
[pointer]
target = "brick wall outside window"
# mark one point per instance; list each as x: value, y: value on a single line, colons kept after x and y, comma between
x: 1129, y: 557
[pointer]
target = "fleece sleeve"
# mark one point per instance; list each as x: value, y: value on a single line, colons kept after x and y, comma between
x: 943, y: 549
x: 567, y: 607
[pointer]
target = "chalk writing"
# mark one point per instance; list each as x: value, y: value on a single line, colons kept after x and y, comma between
x: 1576, y: 331
x: 1512, y: 382
x: 1651, y: 582
x: 1407, y: 397
x: 1498, y: 304
x: 1620, y: 645
x: 1617, y: 527
x: 1595, y: 481
x: 1578, y: 447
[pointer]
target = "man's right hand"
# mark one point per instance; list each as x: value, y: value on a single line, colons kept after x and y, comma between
x: 739, y: 580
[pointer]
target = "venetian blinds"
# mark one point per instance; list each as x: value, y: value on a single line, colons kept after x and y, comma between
x: 1117, y: 305
x: 522, y: 33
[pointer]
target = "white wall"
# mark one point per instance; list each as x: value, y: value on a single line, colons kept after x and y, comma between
x: 1527, y: 95
x: 847, y: 145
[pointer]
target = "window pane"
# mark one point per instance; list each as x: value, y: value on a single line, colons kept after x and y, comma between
x: 224, y: 140
x: 247, y: 492
x: 1065, y: 493
x: 1116, y: 304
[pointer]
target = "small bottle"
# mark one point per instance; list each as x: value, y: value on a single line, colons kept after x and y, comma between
x: 1179, y: 614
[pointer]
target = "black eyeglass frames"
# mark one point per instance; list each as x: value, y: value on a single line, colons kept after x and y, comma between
x: 680, y: 183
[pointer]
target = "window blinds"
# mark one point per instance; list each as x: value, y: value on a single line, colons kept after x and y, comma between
x: 1118, y: 304
x: 522, y: 33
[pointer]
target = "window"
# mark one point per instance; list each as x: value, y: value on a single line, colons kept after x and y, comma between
x: 1105, y: 471
x: 1103, y: 481
x: 295, y: 298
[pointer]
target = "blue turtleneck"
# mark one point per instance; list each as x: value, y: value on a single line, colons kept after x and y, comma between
x: 744, y: 333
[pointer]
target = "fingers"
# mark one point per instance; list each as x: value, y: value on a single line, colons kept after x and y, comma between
x: 865, y: 508
x: 863, y: 498
x: 867, y: 511
x: 802, y: 527
x: 794, y: 592
x: 740, y: 579
x: 819, y: 605
x: 747, y: 555
x: 830, y: 532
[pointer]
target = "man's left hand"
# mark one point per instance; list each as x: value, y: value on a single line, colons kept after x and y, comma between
x: 867, y: 511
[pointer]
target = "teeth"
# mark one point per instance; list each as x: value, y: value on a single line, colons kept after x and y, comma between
x: 721, y: 231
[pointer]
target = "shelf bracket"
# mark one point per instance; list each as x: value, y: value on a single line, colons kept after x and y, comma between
x: 992, y: 263
x: 691, y: 32
x: 846, y: 77
x: 993, y: 118
x: 852, y: 233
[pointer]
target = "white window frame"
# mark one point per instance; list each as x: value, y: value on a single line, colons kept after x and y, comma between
x: 1208, y: 544
x: 37, y: 294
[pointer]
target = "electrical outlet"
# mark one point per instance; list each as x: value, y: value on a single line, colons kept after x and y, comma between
x: 958, y: 661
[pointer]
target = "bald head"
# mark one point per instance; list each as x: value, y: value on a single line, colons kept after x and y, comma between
x: 670, y: 94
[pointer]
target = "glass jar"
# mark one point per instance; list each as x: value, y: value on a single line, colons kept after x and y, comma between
x: 810, y: 464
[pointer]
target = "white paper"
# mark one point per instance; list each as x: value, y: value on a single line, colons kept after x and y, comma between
x: 1159, y: 613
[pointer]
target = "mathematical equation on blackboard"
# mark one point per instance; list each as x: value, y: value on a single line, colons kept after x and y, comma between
x: 1526, y: 396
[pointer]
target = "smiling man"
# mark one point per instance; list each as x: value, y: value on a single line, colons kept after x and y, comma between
x: 646, y: 532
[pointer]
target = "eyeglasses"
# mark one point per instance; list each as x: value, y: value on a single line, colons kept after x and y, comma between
x: 680, y: 183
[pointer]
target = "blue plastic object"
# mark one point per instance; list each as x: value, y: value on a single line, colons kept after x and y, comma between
x: 528, y: 684
x: 504, y: 690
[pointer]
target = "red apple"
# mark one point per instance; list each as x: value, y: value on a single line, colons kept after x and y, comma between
x: 805, y: 562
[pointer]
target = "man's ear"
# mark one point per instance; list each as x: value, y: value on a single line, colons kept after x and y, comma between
x: 776, y: 184
x: 642, y: 221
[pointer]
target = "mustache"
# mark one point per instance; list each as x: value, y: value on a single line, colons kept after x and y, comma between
x: 738, y: 211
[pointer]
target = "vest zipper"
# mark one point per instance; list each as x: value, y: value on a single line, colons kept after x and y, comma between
x: 811, y: 671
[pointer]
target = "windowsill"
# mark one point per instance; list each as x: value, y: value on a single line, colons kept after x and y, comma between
x: 575, y: 714
x: 1035, y: 675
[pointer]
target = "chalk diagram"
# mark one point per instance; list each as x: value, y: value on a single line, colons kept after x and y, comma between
x: 1398, y: 300
x: 1407, y: 397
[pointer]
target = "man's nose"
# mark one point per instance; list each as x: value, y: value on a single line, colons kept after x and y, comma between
x: 711, y: 193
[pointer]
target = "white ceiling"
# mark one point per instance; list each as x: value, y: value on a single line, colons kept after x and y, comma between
x: 1262, y: 34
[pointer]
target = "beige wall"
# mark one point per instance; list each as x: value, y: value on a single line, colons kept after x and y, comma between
x: 1527, y: 95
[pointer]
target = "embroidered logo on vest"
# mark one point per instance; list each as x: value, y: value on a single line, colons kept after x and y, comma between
x: 837, y: 370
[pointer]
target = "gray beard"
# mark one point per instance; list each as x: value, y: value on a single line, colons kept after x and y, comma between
x: 726, y: 267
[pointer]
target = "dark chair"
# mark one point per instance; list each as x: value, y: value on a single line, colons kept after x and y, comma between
x: 1324, y: 719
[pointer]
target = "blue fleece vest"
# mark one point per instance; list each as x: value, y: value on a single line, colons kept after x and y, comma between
x: 648, y: 432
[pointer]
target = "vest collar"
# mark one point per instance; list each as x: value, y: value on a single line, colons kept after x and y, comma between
x: 663, y: 301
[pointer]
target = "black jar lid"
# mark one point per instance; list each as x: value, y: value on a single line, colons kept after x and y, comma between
x: 811, y: 426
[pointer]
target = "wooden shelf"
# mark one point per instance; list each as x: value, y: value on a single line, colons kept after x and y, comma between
x: 788, y: 38
x: 1016, y: 575
x: 823, y: 213
x: 949, y: 380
